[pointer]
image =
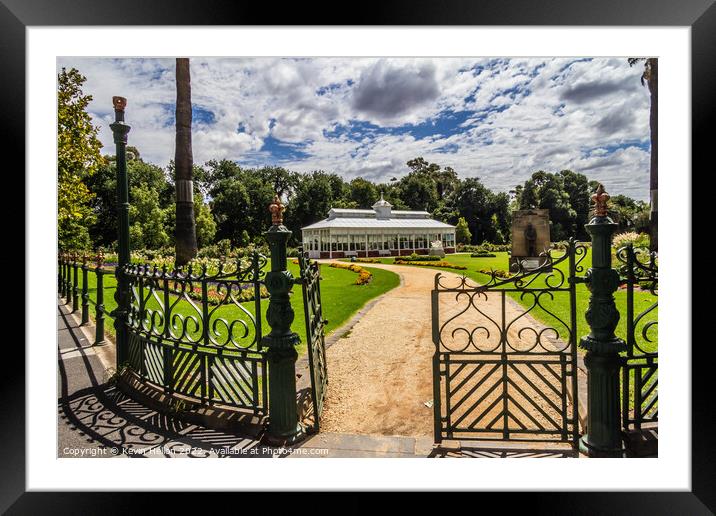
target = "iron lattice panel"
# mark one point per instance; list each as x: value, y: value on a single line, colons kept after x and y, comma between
x: 186, y: 343
x: 640, y: 387
x: 506, y: 397
x: 315, y: 333
x: 498, y: 372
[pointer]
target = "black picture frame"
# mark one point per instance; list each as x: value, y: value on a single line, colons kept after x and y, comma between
x: 700, y: 15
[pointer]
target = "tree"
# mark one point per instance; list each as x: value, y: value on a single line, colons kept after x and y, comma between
x: 462, y: 232
x: 650, y: 77
x: 78, y: 157
x: 205, y: 223
x: 363, y: 193
x: 185, y: 232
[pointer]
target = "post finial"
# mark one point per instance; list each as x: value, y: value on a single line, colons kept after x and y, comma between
x: 276, y: 208
x: 119, y: 103
x: 600, y: 198
x: 99, y: 259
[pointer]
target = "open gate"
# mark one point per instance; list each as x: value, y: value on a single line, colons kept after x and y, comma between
x: 315, y: 324
x: 500, y: 373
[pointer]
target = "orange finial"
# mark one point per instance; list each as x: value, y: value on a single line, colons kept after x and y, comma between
x: 276, y: 208
x: 600, y: 198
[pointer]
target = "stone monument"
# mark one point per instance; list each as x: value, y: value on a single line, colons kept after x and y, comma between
x: 530, y: 238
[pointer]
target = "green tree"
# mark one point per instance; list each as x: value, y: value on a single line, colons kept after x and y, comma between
x: 205, y: 223
x: 462, y: 232
x: 363, y: 192
x: 185, y: 230
x: 78, y: 157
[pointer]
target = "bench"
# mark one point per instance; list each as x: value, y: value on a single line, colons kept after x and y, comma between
x: 383, y: 252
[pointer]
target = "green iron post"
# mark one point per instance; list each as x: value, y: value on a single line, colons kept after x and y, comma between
x: 85, y: 291
x: 75, y: 290
x: 281, y: 355
x: 121, y: 295
x: 60, y: 273
x: 99, y: 303
x: 603, y: 437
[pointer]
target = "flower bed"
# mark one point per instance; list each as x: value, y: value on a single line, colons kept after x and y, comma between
x: 364, y: 275
x: 215, y: 296
x: 442, y: 264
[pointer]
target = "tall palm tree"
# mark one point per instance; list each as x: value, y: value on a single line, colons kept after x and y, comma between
x: 186, y: 248
x: 650, y: 77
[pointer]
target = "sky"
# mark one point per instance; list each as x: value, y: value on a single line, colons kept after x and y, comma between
x: 497, y: 119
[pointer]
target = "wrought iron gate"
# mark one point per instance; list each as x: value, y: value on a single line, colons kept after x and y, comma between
x: 498, y: 374
x: 640, y: 392
x: 315, y: 324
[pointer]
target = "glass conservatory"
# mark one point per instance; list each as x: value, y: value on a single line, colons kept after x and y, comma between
x: 380, y: 231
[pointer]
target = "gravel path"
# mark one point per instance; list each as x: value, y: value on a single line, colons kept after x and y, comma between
x: 380, y: 374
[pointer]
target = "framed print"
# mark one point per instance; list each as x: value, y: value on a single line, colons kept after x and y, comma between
x: 418, y: 232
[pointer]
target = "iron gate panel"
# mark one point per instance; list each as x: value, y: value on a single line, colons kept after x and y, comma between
x: 498, y: 374
x: 640, y: 390
x: 315, y: 332
x: 204, y: 354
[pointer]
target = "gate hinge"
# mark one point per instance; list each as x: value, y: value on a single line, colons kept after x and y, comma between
x: 573, y: 280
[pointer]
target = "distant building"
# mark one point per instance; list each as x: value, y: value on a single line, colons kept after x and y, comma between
x: 377, y: 232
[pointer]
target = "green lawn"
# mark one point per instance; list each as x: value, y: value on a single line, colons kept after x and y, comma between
x: 560, y: 304
x: 341, y: 298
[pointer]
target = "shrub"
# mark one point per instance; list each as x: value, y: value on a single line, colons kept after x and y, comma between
x: 429, y: 263
x: 636, y: 239
x: 418, y: 257
x: 482, y: 254
x: 369, y: 260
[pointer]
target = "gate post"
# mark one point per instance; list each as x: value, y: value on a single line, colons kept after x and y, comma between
x: 284, y: 427
x: 603, y: 437
x: 121, y: 295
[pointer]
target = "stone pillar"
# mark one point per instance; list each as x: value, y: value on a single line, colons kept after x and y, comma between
x: 121, y: 295
x: 284, y: 427
x: 603, y: 437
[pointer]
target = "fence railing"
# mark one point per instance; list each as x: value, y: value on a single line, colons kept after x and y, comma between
x: 639, y: 270
x: 74, y: 274
x: 198, y: 333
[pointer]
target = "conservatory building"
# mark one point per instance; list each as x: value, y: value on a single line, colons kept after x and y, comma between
x: 376, y: 232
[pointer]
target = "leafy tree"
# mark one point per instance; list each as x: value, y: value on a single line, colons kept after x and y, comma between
x: 418, y: 191
x: 185, y: 230
x: 148, y: 221
x: 78, y: 157
x: 363, y: 193
x: 205, y: 223
x: 462, y: 232
x: 146, y: 181
x: 474, y: 202
x: 651, y: 78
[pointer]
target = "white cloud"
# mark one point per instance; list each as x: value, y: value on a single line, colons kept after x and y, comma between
x: 590, y: 116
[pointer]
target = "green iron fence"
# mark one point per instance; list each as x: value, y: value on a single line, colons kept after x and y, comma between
x: 73, y: 284
x: 193, y: 332
x: 640, y: 391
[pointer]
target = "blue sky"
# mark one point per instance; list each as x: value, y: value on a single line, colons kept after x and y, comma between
x: 497, y: 119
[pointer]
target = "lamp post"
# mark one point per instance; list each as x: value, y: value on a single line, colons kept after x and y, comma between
x: 121, y: 295
x: 603, y: 437
x: 284, y: 427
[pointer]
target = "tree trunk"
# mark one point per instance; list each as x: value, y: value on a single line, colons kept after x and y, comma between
x: 654, y: 168
x: 185, y: 234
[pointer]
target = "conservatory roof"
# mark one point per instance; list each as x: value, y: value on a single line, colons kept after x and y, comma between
x: 373, y: 223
